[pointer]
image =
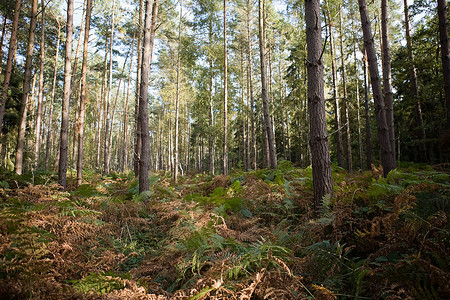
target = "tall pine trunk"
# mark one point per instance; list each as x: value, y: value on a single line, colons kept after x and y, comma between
x: 124, y: 164
x: 420, y: 132
x: 387, y: 75
x: 320, y: 153
x: 337, y: 112
x: 265, y: 96
x: 62, y: 170
x: 445, y: 52
x: 177, y: 100
x: 137, y: 128
x: 50, y: 119
x: 143, y: 100
x: 387, y: 155
x: 83, y: 94
x: 9, y: 62
x: 367, y: 112
x: 37, y: 132
x: 250, y: 89
x: 225, y: 91
x: 108, y: 125
x: 18, y: 166
x: 345, y: 98
x: 211, y: 103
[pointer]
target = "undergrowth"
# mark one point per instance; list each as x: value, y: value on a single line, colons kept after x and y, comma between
x: 249, y: 235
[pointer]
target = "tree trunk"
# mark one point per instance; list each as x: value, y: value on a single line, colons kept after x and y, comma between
x: 345, y: 98
x: 37, y: 132
x: 124, y: 165
x: 9, y: 62
x: 265, y: 97
x: 358, y: 104
x: 108, y: 125
x: 211, y: 103
x: 84, y: 70
x: 367, y: 113
x: 337, y: 113
x: 143, y: 100
x: 320, y: 154
x: 387, y: 76
x: 26, y: 89
x: 420, y: 132
x: 445, y: 52
x: 177, y: 100
x: 50, y: 121
x: 137, y: 141
x: 5, y: 19
x: 244, y: 144
x: 387, y: 155
x: 65, y: 107
x: 250, y: 89
x: 225, y: 91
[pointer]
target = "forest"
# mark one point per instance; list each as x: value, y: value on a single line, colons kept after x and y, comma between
x: 243, y: 149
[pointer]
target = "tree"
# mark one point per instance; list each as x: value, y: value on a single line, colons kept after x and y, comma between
x: 137, y: 141
x: 37, y: 132
x: 9, y: 62
x: 143, y: 100
x: 225, y: 91
x: 320, y: 155
x: 83, y: 94
x: 250, y: 90
x: 387, y: 155
x: 415, y: 88
x: 26, y: 89
x: 264, y: 94
x: 52, y: 101
x: 445, y: 52
x: 337, y: 112
x: 177, y: 100
x: 387, y: 75
x: 108, y: 124
x: 63, y: 144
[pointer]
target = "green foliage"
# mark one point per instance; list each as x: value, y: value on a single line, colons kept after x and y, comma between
x: 100, y: 283
x: 260, y: 254
x: 225, y: 200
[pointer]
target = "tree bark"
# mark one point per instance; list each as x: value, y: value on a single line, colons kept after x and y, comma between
x: 62, y: 170
x: 50, y: 119
x: 320, y: 154
x: 387, y: 155
x: 345, y: 98
x: 124, y: 165
x: 420, y: 132
x: 26, y: 89
x: 250, y: 89
x: 337, y: 112
x: 5, y: 19
x: 211, y: 103
x: 225, y: 91
x: 137, y: 141
x: 265, y: 96
x: 387, y: 75
x: 177, y: 100
x: 143, y: 100
x: 9, y: 62
x: 108, y: 125
x: 358, y: 104
x: 445, y: 52
x: 367, y: 113
x: 37, y: 132
x: 83, y: 95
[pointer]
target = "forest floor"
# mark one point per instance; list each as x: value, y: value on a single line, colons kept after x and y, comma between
x: 249, y: 235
